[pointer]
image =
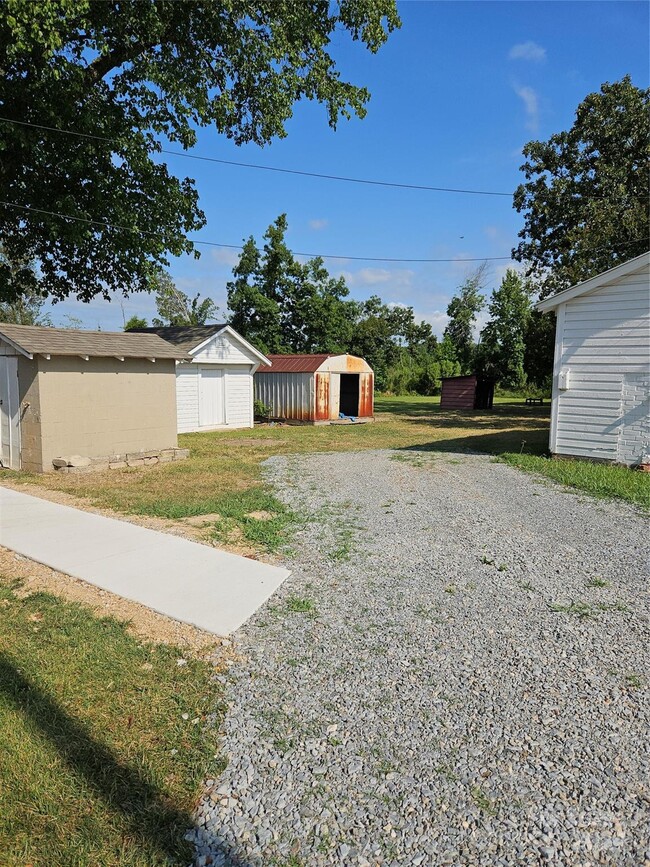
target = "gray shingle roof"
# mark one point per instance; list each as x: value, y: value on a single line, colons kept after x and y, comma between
x: 34, y: 339
x: 186, y: 337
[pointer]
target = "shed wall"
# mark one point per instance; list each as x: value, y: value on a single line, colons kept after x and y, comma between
x: 603, y: 347
x: 290, y: 395
x: 104, y: 406
x: 458, y: 392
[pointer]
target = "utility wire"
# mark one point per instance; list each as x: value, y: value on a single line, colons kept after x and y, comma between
x: 239, y: 246
x: 268, y: 168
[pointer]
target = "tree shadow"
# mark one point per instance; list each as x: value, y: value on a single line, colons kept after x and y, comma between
x: 156, y: 825
x: 530, y: 440
x: 501, y: 415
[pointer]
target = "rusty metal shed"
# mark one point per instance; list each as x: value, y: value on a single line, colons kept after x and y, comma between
x: 466, y: 392
x: 316, y: 389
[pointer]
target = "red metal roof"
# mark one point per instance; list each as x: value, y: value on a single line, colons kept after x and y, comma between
x: 295, y: 363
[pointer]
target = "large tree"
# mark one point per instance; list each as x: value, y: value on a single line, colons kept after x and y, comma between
x: 126, y: 75
x: 503, y: 340
x: 462, y: 311
x: 586, y: 195
x: 283, y: 305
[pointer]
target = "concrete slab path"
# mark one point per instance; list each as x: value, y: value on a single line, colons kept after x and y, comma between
x: 204, y: 586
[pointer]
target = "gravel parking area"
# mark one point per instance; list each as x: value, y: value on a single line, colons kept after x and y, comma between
x: 456, y: 673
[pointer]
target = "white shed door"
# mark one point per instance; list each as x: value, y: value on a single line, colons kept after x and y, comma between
x: 9, y: 417
x: 211, y: 397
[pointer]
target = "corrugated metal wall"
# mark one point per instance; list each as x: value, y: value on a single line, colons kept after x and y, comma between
x: 290, y: 395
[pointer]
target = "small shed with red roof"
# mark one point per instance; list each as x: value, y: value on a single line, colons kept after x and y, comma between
x: 316, y: 389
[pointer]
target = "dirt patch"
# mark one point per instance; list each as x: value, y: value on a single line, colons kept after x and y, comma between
x: 261, y: 515
x: 142, y: 621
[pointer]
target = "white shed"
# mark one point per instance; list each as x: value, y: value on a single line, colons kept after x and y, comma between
x: 215, y: 390
x: 601, y: 372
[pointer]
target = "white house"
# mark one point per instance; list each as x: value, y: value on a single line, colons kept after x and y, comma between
x: 214, y: 390
x: 601, y: 372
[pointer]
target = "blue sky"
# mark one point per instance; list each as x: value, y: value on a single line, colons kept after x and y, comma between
x: 456, y: 93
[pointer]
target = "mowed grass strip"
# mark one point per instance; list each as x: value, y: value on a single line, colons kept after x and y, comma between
x: 105, y: 739
x: 599, y: 480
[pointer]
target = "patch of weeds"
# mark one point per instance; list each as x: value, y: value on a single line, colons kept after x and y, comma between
x: 301, y: 605
x: 235, y: 508
x: 581, y: 610
x: 633, y: 680
x: 502, y: 567
x: 445, y: 771
x: 597, y: 582
x: 526, y: 585
x: 451, y: 589
x: 482, y: 801
x: 293, y: 663
x: 282, y: 745
x: 488, y: 561
x: 612, y: 606
x: 454, y: 462
x: 471, y: 585
x: 324, y: 844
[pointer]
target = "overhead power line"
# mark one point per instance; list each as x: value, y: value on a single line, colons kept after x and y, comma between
x: 305, y: 174
x: 107, y: 225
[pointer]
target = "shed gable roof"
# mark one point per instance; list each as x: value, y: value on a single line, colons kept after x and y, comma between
x: 186, y: 337
x: 296, y: 363
x: 595, y: 283
x: 33, y: 340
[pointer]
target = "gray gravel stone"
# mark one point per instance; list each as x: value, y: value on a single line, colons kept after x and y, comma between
x: 464, y: 690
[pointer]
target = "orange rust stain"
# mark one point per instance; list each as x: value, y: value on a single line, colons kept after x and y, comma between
x: 366, y: 395
x: 322, y: 397
x: 355, y: 365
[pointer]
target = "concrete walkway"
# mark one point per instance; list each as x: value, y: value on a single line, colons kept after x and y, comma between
x: 204, y: 586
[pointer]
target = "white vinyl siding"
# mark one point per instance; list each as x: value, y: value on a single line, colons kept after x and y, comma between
x: 239, y: 393
x: 603, y: 344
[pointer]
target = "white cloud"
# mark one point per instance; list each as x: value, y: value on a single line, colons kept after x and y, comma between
x: 527, y: 51
x: 317, y: 225
x: 378, y: 276
x: 530, y: 100
x: 224, y: 256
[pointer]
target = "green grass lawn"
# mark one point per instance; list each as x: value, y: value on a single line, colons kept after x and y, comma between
x: 104, y: 742
x: 599, y: 480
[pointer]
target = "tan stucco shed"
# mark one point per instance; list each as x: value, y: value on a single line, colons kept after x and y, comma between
x: 100, y: 395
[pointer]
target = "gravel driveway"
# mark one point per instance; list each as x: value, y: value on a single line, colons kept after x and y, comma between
x: 456, y: 673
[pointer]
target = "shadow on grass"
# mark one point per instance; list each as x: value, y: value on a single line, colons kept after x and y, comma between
x: 532, y: 441
x: 432, y: 408
x: 500, y: 417
x: 156, y: 826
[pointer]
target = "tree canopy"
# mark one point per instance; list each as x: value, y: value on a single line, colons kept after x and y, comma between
x: 126, y: 75
x: 463, y: 309
x: 587, y: 190
x: 503, y: 340
x: 283, y: 305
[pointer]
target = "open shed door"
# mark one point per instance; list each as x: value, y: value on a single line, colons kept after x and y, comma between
x: 9, y: 413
